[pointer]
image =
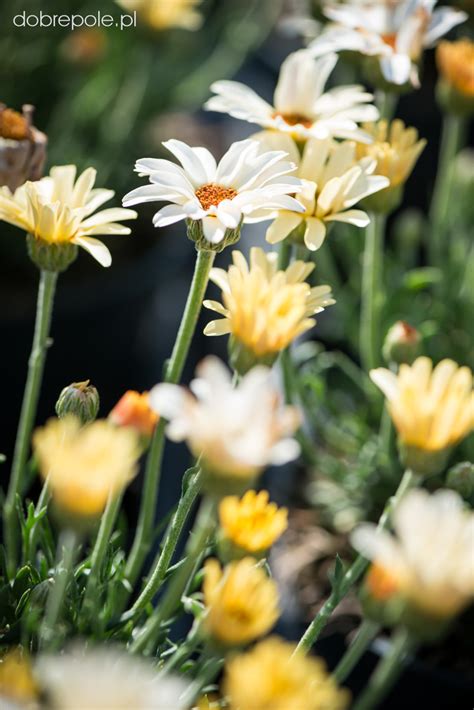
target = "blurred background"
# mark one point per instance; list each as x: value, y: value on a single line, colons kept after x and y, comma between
x: 107, y: 96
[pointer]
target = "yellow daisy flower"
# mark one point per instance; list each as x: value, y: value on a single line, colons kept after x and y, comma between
x: 270, y: 676
x: 84, y: 465
x: 251, y: 523
x: 58, y: 211
x: 241, y: 601
x: 16, y: 679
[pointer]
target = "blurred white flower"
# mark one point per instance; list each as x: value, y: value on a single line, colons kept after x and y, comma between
x: 430, y: 562
x: 395, y: 32
x: 300, y: 106
x: 333, y: 182
x: 104, y: 678
x: 245, y: 186
x: 237, y: 430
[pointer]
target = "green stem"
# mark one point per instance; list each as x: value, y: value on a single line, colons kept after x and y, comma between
x: 192, y: 641
x: 354, y: 572
x: 284, y: 254
x: 207, y: 674
x: 204, y: 525
x: 386, y: 102
x: 48, y: 635
x: 451, y: 137
x: 364, y: 637
x: 43, y: 501
x: 144, y: 532
x: 91, y: 599
x: 171, y: 540
x: 369, y: 333
x: 44, y: 309
x: 386, y: 673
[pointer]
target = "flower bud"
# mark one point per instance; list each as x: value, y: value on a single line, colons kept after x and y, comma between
x: 196, y: 235
x: 460, y: 478
x: 80, y: 399
x: 22, y: 148
x: 133, y: 410
x: 455, y: 89
x: 51, y: 256
x: 402, y: 344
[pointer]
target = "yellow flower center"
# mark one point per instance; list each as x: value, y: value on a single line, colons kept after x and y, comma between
x: 13, y: 125
x: 211, y: 195
x: 380, y: 583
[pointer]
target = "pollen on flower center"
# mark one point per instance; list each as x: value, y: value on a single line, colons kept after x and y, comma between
x: 295, y: 119
x: 390, y: 39
x: 211, y: 195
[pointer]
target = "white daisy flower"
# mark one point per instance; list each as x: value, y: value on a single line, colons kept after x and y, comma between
x: 430, y: 559
x: 333, y: 182
x: 105, y: 678
x: 395, y: 32
x: 300, y: 106
x: 245, y: 186
x: 237, y: 430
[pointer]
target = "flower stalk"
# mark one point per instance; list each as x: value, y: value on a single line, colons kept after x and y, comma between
x: 44, y: 308
x: 143, y: 536
x: 354, y: 572
x: 371, y: 296
x: 387, y: 672
x: 364, y: 637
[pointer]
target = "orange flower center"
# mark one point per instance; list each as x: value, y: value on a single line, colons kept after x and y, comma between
x: 13, y: 125
x: 380, y: 583
x: 295, y: 119
x: 211, y: 195
x: 390, y: 39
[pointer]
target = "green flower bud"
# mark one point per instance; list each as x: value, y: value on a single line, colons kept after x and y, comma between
x: 196, y: 235
x: 51, y: 256
x: 461, y: 479
x: 242, y: 359
x: 423, y: 461
x: 402, y: 344
x: 80, y: 399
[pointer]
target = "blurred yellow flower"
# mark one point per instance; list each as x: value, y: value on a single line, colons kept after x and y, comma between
x: 271, y: 677
x: 395, y: 147
x: 133, y: 410
x: 432, y: 409
x: 251, y: 522
x: 58, y: 210
x: 265, y: 308
x: 429, y: 561
x: 241, y: 601
x: 84, y: 465
x: 16, y: 678
x: 455, y: 62
x: 163, y: 14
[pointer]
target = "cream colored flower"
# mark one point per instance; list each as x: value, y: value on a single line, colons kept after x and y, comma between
x: 238, y: 431
x: 429, y: 562
x: 265, y: 308
x: 164, y: 14
x: 334, y: 180
x: 251, y: 522
x: 394, y: 32
x: 241, y: 601
x: 300, y: 109
x: 106, y: 679
x: 455, y: 62
x: 84, y: 465
x: 432, y: 409
x: 58, y: 210
x: 270, y: 677
x: 395, y: 148
x: 246, y: 185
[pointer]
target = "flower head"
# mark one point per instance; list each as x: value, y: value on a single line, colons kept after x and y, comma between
x: 17, y: 683
x: 58, y: 210
x: 270, y: 676
x: 300, y: 109
x: 334, y: 180
x: 80, y: 399
x: 429, y: 561
x: 396, y: 33
x: 85, y: 465
x: 133, y: 410
x: 216, y: 199
x: 455, y: 61
x: 241, y: 601
x: 432, y: 409
x: 237, y: 431
x: 167, y: 14
x: 22, y: 147
x: 105, y: 678
x: 265, y: 308
x: 251, y: 523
